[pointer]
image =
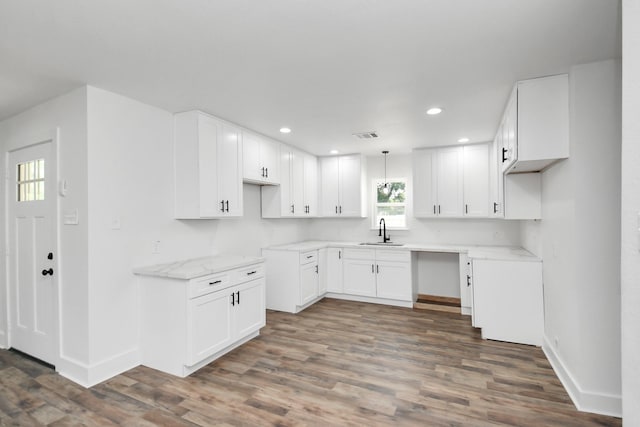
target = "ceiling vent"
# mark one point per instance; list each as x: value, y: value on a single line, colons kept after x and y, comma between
x: 366, y: 135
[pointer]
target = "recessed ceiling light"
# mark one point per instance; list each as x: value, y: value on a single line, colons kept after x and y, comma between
x: 285, y: 130
x: 333, y: 152
x: 433, y: 111
x: 463, y: 140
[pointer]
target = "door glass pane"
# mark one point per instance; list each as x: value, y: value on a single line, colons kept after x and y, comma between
x: 30, y: 182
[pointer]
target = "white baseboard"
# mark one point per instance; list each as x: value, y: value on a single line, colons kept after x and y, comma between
x: 90, y: 375
x: 585, y: 400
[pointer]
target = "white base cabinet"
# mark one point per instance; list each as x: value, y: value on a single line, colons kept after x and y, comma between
x: 385, y: 274
x: 186, y: 324
x: 293, y: 281
x: 508, y: 300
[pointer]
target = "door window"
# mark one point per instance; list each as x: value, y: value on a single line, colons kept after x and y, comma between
x: 30, y: 180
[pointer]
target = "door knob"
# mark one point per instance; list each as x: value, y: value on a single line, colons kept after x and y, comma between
x: 48, y: 272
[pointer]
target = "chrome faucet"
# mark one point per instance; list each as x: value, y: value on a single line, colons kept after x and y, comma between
x: 382, y: 228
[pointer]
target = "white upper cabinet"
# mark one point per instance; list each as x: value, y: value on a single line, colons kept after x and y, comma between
x: 260, y: 159
x: 208, y: 167
x: 437, y: 182
x: 476, y: 180
x: 535, y: 125
x: 342, y: 186
x: 451, y: 181
x: 297, y: 194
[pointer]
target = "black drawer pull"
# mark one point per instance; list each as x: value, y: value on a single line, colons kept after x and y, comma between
x: 215, y: 283
x: 252, y: 272
x: 309, y: 256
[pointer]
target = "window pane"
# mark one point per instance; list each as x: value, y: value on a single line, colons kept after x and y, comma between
x: 394, y: 216
x: 20, y: 172
x: 40, y: 190
x: 30, y: 170
x: 41, y: 168
x: 394, y: 192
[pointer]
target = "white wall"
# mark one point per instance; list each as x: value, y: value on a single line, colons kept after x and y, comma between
x: 68, y: 113
x: 131, y: 182
x: 578, y: 239
x: 630, y: 270
x: 432, y: 230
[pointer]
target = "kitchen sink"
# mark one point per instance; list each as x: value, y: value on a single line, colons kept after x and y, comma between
x: 382, y: 244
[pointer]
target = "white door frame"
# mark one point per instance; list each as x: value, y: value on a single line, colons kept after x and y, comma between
x: 52, y: 137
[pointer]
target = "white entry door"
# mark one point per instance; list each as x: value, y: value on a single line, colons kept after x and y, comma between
x: 32, y: 262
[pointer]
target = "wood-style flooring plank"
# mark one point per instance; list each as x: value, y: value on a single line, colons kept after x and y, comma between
x: 336, y: 363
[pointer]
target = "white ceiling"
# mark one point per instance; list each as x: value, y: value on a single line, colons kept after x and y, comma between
x: 324, y: 68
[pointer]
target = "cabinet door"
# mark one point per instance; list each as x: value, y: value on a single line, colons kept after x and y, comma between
x: 249, y: 310
x: 393, y: 280
x: 230, y: 170
x: 359, y: 277
x: 466, y: 295
x: 209, y: 134
x: 210, y: 325
x: 350, y: 189
x: 334, y: 270
x: 329, y: 186
x: 510, y: 131
x: 310, y: 203
x: 251, y: 164
x: 297, y: 183
x: 286, y: 195
x: 496, y: 187
x: 449, y: 181
x: 308, y: 282
x: 476, y: 180
x: 424, y: 201
x: 269, y: 160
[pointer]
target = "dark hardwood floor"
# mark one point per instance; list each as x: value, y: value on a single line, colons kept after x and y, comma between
x: 336, y: 363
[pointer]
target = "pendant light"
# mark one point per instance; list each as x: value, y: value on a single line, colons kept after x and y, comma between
x: 386, y: 188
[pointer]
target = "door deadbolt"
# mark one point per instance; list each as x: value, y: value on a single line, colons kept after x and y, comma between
x: 48, y: 272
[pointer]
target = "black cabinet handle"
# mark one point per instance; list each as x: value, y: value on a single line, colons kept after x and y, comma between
x: 466, y: 208
x: 438, y: 209
x: 252, y: 272
x: 372, y: 270
x: 340, y: 210
x: 336, y: 208
x: 227, y: 206
x: 293, y: 209
x: 434, y: 209
x: 238, y: 296
x: 262, y: 172
x: 316, y: 268
x: 339, y: 254
x: 266, y: 172
x: 215, y: 283
x: 48, y: 272
x: 233, y: 299
x: 504, y: 153
x: 222, y: 207
x: 377, y: 269
x: 495, y: 207
x: 50, y: 255
x: 309, y: 256
x: 468, y: 280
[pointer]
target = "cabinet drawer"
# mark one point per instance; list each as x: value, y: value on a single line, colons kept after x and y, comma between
x: 248, y: 273
x: 386, y: 255
x: 307, y: 257
x: 368, y: 254
x: 208, y: 284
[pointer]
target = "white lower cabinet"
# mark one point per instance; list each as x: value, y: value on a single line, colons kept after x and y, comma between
x: 186, y: 324
x: 384, y: 274
x: 466, y: 290
x: 508, y: 300
x: 332, y: 271
x: 293, y: 281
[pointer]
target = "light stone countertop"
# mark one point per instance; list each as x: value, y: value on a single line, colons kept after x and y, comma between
x: 473, y: 251
x: 197, y: 267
